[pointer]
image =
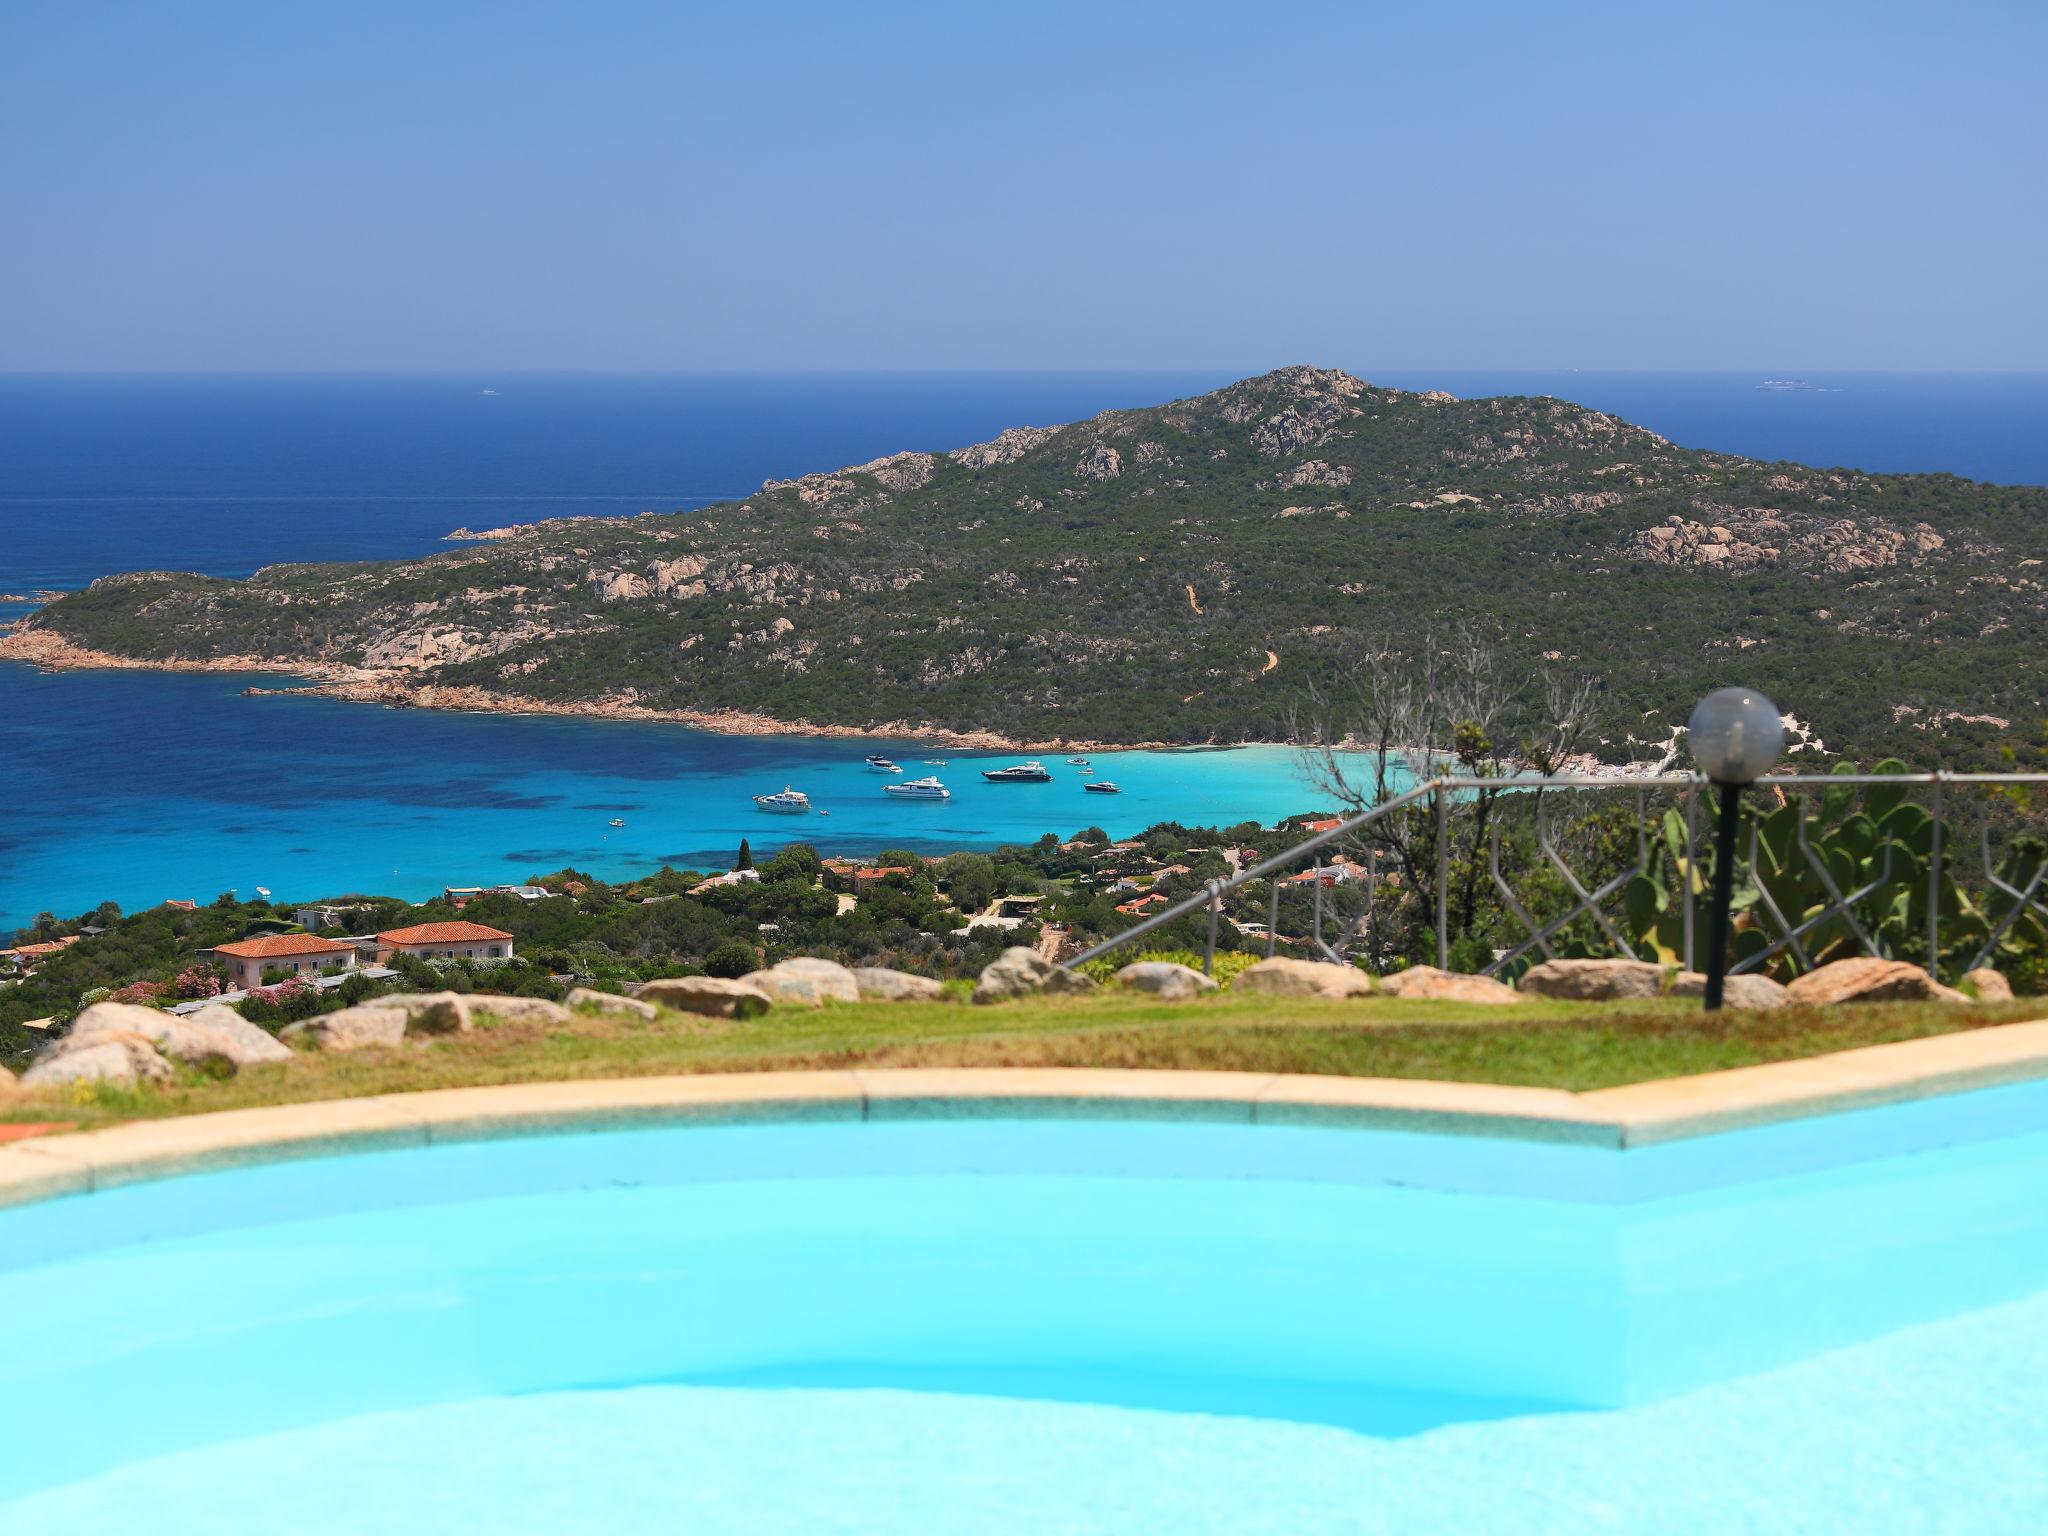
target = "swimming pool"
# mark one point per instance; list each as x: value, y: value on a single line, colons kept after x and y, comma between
x: 1051, y: 1324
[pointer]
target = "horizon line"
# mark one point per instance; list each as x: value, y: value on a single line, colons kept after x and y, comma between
x: 1235, y: 371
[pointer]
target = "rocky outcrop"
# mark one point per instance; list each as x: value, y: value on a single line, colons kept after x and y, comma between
x: 218, y: 1033
x: 125, y: 1044
x: 351, y: 1029
x: 714, y: 996
x: 804, y: 980
x: 1004, y: 448
x: 1100, y: 462
x: 680, y: 577
x: 1426, y: 981
x: 1282, y: 977
x: 214, y: 1034
x: 521, y: 1010
x: 899, y: 471
x: 1987, y: 986
x: 1165, y: 980
x: 1747, y: 991
x: 1571, y: 503
x: 1869, y: 980
x: 117, y: 1059
x: 1020, y: 971
x: 1307, y: 425
x: 611, y: 1002
x: 1315, y: 472
x: 881, y: 985
x: 1747, y: 538
x: 618, y: 586
x: 1588, y: 981
x: 432, y: 1013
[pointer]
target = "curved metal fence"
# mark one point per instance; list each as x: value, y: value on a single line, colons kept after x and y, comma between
x: 1828, y: 865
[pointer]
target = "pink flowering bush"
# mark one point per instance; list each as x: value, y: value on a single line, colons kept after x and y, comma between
x: 195, y: 981
x: 297, y: 998
x: 147, y: 993
x: 285, y: 991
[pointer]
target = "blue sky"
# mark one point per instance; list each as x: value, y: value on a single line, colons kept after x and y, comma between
x: 434, y: 184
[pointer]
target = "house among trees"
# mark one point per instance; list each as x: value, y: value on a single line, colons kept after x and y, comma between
x: 445, y: 941
x: 460, y: 896
x: 27, y: 957
x: 295, y: 954
x: 326, y: 914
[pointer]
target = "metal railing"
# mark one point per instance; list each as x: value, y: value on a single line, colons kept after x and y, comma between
x: 1590, y: 904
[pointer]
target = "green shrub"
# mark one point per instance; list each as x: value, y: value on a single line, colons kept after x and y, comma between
x: 1229, y: 963
x: 731, y: 958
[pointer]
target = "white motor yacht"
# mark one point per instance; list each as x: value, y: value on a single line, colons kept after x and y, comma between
x: 919, y: 789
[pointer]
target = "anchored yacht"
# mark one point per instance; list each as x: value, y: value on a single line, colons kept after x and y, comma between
x: 927, y: 788
x: 1023, y: 773
x: 791, y: 802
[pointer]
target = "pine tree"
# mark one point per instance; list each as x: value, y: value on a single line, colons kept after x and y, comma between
x: 746, y: 858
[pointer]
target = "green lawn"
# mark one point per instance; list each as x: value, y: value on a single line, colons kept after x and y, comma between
x: 1562, y: 1045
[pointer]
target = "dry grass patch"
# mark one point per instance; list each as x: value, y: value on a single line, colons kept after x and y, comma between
x: 1537, y: 1043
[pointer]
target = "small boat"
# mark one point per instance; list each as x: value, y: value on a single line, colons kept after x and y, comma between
x: 1023, y: 773
x: 919, y: 789
x: 1078, y: 762
x: 618, y: 821
x: 935, y: 762
x: 883, y: 765
x: 791, y: 802
x: 1101, y: 787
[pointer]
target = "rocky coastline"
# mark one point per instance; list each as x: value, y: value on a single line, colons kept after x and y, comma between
x: 364, y: 685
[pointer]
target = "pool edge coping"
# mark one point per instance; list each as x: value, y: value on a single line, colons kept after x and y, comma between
x: 1637, y: 1115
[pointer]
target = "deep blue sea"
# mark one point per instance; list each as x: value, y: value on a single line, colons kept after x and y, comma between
x: 137, y: 786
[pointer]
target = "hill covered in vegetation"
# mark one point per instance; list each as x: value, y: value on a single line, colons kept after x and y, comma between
x: 1183, y: 573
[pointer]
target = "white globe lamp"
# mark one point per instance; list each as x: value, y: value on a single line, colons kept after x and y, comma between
x: 1735, y: 735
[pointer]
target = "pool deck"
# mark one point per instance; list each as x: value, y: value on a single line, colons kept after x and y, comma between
x: 1641, y: 1114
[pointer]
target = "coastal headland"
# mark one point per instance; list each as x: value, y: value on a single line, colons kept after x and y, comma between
x: 1181, y: 574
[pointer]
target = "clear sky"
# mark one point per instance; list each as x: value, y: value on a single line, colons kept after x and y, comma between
x: 613, y: 184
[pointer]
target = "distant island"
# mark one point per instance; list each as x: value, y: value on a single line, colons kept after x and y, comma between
x: 1178, y: 574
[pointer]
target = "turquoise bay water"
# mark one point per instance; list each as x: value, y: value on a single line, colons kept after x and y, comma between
x: 138, y: 787
x: 980, y: 1326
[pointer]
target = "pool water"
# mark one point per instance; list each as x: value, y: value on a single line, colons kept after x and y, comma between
x: 966, y: 1325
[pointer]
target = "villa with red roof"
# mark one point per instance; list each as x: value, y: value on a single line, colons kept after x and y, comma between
x: 445, y: 941
x: 296, y: 954
x: 29, y: 956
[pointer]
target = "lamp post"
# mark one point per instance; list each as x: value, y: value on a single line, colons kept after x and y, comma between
x: 1735, y: 735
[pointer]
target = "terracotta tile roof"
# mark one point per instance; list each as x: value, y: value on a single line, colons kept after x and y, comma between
x: 272, y: 946
x: 30, y: 951
x: 443, y: 933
